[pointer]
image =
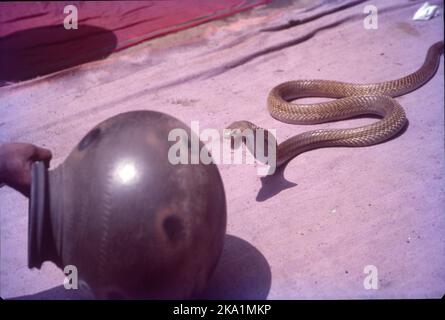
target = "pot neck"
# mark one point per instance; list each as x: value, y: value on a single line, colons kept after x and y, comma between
x: 43, y: 229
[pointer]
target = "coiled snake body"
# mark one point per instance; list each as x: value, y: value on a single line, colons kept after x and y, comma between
x: 351, y: 100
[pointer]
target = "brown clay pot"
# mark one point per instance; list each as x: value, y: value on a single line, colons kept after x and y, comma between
x: 133, y: 224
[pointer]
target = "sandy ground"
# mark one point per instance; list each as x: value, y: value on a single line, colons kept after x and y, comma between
x: 349, y: 207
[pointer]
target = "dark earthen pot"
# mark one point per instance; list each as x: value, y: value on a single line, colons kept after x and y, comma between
x: 133, y: 224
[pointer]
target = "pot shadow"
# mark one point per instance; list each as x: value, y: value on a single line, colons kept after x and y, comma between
x: 39, y: 51
x: 242, y: 273
x: 58, y: 293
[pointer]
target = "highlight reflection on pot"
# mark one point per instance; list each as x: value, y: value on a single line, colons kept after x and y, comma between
x: 133, y: 224
x: 126, y: 172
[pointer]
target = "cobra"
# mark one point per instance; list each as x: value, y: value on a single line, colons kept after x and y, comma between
x: 351, y: 100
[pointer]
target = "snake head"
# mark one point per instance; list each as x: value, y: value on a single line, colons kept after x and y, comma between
x: 235, y: 131
x: 229, y: 133
x: 233, y: 135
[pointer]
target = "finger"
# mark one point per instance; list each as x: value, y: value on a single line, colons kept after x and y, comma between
x: 42, y: 154
x: 24, y: 189
x: 22, y: 184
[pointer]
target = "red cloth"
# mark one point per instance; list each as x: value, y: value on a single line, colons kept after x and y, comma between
x: 131, y: 21
x: 34, y: 42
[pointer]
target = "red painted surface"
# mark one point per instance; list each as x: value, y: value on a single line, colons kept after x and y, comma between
x: 130, y: 21
x: 34, y: 41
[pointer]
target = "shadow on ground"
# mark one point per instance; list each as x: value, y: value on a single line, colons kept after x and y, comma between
x: 242, y: 273
x: 272, y: 185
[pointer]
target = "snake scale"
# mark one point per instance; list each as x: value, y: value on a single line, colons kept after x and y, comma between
x: 351, y: 100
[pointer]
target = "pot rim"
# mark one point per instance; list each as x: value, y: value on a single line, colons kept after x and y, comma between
x: 37, y: 211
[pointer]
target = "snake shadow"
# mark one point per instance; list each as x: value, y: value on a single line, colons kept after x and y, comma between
x: 272, y: 185
x: 242, y: 273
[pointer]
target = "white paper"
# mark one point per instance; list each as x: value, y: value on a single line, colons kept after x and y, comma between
x: 426, y: 12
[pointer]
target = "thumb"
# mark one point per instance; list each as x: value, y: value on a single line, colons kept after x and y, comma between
x: 42, y: 154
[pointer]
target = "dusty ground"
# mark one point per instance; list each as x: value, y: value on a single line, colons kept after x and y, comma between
x: 380, y: 205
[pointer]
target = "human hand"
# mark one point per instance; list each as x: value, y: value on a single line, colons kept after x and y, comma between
x: 15, y: 164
